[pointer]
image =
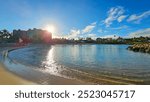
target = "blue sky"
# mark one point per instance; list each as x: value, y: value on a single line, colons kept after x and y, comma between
x: 79, y: 18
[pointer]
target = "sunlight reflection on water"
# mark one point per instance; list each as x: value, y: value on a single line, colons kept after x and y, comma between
x: 50, y: 66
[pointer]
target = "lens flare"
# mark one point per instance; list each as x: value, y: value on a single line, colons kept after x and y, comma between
x: 50, y: 28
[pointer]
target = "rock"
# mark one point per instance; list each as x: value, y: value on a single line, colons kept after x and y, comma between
x: 145, y: 48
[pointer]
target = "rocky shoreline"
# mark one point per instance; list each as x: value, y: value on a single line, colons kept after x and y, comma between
x: 145, y: 48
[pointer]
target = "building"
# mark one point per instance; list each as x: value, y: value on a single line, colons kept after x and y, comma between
x: 33, y: 36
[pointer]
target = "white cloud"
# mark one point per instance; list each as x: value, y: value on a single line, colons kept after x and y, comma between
x: 113, y: 36
x: 121, y: 18
x: 94, y: 23
x: 89, y: 28
x: 91, y: 35
x: 73, y: 33
x: 121, y: 27
x: 143, y: 32
x: 113, y: 14
x: 137, y: 18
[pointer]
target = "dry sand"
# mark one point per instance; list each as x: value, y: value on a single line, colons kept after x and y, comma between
x: 7, y: 78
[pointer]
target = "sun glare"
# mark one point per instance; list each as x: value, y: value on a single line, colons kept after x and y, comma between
x: 50, y: 28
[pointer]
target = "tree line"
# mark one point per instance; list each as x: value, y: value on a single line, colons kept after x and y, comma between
x: 7, y: 37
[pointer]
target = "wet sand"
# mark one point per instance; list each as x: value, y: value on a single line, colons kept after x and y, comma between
x: 7, y: 78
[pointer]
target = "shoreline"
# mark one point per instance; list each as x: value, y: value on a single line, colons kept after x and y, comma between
x: 78, y: 77
x: 8, y: 78
x: 11, y: 78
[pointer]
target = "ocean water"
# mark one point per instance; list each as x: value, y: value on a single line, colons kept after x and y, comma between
x: 91, y: 62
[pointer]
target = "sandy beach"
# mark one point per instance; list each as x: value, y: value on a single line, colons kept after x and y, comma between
x: 7, y: 78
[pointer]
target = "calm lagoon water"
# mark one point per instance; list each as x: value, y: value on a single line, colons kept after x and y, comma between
x: 111, y: 62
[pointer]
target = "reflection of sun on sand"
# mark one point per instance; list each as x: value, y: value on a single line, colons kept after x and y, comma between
x: 7, y: 78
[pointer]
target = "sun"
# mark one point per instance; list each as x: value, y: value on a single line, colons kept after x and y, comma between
x: 50, y: 28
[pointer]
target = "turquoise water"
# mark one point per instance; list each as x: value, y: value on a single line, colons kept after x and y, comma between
x: 93, y: 59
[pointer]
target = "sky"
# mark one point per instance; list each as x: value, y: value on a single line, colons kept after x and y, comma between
x: 78, y: 18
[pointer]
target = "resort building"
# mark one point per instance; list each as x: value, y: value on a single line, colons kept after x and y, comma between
x: 33, y: 35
